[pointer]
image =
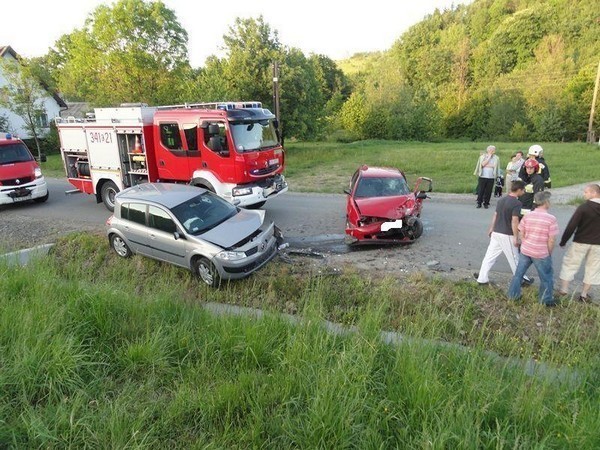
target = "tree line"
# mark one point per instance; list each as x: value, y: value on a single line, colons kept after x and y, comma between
x: 493, y: 69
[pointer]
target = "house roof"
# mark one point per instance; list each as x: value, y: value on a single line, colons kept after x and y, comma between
x: 8, y: 50
x: 76, y: 109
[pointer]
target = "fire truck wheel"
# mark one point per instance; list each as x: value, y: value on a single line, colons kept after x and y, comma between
x: 119, y: 246
x: 256, y: 205
x: 207, y: 272
x: 108, y: 192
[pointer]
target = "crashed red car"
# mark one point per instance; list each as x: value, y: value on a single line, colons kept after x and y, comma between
x: 381, y: 208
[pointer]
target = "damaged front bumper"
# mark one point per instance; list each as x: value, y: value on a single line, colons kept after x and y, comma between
x: 398, y: 231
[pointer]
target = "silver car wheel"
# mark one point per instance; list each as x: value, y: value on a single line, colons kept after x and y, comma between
x: 205, y: 273
x: 120, y: 246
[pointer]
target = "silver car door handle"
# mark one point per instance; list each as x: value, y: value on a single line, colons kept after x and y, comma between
x: 152, y: 236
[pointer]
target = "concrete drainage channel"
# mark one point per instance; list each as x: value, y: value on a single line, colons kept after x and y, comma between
x: 22, y: 257
x: 530, y: 367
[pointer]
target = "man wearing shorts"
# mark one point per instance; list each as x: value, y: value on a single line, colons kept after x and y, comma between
x: 585, y: 223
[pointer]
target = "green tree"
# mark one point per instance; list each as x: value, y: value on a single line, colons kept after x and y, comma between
x: 131, y: 51
x: 245, y: 73
x: 24, y: 96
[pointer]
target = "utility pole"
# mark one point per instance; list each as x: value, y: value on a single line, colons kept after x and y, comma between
x: 276, y: 90
x: 591, y: 136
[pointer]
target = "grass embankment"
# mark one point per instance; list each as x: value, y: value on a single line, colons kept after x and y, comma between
x: 327, y: 167
x: 105, y: 353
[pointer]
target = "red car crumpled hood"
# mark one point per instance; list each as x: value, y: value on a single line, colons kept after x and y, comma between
x: 385, y: 207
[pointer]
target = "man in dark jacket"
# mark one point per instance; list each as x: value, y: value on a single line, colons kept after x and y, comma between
x: 585, y: 223
x: 533, y: 183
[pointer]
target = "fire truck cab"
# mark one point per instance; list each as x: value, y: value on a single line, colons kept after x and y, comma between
x: 232, y: 149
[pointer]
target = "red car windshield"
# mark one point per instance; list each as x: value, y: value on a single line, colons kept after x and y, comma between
x: 14, y: 153
x: 381, y: 187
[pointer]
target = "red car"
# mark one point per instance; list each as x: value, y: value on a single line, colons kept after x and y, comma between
x: 381, y: 208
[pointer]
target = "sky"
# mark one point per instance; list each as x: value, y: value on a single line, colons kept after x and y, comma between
x: 335, y: 28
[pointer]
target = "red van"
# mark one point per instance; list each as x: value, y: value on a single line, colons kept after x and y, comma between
x: 21, y: 178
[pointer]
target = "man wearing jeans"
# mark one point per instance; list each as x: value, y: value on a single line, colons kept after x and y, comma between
x: 538, y: 231
x: 504, y: 234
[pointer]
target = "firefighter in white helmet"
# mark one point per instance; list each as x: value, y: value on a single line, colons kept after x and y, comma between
x: 537, y: 152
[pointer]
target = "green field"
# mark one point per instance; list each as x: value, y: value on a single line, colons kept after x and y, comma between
x: 106, y: 353
x: 326, y: 167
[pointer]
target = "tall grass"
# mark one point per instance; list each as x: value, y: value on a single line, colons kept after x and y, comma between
x: 104, y: 353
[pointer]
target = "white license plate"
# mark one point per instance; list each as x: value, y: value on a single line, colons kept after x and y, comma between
x: 386, y: 226
x: 272, y: 162
x: 22, y: 199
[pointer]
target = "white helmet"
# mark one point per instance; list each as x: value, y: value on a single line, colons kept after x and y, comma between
x: 535, y: 150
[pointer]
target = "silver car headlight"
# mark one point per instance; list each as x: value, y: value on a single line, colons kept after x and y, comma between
x: 241, y: 191
x: 231, y: 256
x: 38, y: 172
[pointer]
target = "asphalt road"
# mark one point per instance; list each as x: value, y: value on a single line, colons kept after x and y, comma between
x: 455, y: 231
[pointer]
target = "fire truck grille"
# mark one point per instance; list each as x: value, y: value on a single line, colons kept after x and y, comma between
x: 265, y: 171
x: 13, y: 182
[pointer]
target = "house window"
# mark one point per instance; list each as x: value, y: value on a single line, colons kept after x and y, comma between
x: 41, y: 120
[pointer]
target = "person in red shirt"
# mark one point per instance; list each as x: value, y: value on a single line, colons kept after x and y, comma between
x: 538, y: 231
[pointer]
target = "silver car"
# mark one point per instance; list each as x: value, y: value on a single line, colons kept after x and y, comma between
x: 193, y: 228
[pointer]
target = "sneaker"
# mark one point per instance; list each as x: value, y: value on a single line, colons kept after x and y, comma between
x: 552, y: 304
x: 476, y: 276
x: 486, y: 206
x: 478, y: 205
x: 527, y: 281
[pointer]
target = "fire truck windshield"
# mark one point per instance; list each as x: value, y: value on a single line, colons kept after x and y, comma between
x: 249, y: 136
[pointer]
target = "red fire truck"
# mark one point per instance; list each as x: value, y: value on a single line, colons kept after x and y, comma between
x: 230, y: 148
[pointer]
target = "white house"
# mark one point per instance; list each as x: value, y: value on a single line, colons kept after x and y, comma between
x: 53, y: 104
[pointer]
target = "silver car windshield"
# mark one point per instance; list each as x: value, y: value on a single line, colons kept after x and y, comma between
x: 203, y: 213
x: 381, y: 187
x: 251, y: 136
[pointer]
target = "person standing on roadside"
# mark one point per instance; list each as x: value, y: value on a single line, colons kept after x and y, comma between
x: 504, y: 234
x: 487, y: 171
x: 538, y: 231
x: 585, y: 223
x: 533, y: 183
x: 513, y: 168
x: 536, y: 152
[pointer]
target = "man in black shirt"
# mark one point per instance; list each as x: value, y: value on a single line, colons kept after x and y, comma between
x: 585, y: 223
x: 504, y: 234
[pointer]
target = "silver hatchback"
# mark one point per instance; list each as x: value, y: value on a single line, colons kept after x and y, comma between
x: 192, y: 228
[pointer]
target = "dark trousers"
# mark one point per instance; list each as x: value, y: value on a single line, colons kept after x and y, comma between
x: 484, y: 190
